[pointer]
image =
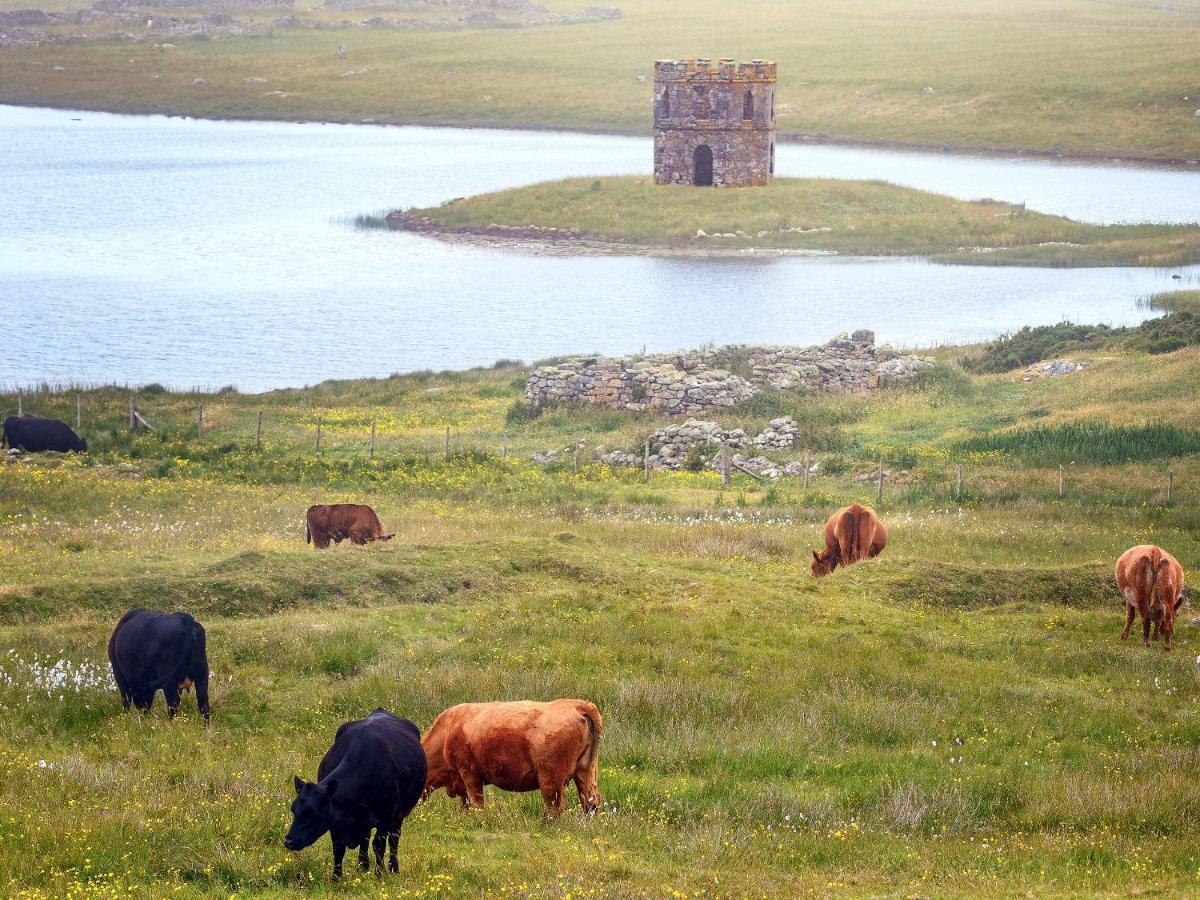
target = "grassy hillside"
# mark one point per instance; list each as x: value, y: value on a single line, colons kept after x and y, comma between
x: 865, y: 218
x: 1069, y: 77
x: 956, y: 717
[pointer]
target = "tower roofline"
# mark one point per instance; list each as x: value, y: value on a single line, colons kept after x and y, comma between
x: 701, y: 69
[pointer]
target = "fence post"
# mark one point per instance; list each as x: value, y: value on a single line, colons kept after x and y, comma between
x: 1061, y: 483
x: 879, y: 492
x: 20, y: 403
x: 133, y: 412
x: 372, y: 439
x: 725, y: 462
x: 447, y: 442
x: 806, y: 465
x: 1170, y: 486
x: 200, y: 424
x: 646, y: 462
x: 319, y: 418
x: 78, y: 417
x: 258, y: 432
x: 958, y: 492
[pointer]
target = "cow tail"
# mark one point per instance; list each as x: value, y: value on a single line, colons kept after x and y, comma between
x: 307, y: 533
x: 1147, y: 575
x: 180, y: 670
x: 592, y: 718
x: 855, y: 518
x: 1163, y: 571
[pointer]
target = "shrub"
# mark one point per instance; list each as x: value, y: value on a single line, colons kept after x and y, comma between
x: 1031, y: 345
x: 695, y: 459
x: 520, y: 414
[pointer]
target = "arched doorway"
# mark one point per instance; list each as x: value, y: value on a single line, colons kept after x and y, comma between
x: 703, y: 161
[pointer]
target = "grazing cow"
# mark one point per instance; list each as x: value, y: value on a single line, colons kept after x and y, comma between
x: 371, y: 778
x: 35, y: 435
x: 338, y: 521
x: 520, y: 746
x: 852, y: 533
x: 152, y: 651
x: 1152, y: 582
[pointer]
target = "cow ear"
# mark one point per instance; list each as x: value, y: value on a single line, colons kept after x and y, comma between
x: 299, y: 782
x: 816, y: 555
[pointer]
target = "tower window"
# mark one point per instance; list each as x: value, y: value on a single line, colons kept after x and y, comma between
x: 701, y: 103
x: 748, y: 105
x: 666, y: 102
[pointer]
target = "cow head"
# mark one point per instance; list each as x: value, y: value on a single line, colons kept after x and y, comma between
x: 386, y: 537
x: 824, y: 562
x: 311, y: 812
x: 80, y: 445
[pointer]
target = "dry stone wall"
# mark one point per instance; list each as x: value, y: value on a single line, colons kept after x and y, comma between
x: 698, y: 380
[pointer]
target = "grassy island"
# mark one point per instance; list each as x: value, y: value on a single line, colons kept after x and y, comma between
x: 954, y: 718
x: 860, y: 218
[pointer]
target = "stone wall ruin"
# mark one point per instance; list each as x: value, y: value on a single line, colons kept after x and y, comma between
x: 695, y: 381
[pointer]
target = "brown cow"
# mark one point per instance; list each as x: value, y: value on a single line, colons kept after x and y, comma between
x: 338, y: 521
x: 518, y: 746
x: 1152, y: 582
x: 852, y: 533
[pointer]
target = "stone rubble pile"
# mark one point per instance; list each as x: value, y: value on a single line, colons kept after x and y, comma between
x: 780, y: 434
x: 670, y: 447
x: 694, y: 381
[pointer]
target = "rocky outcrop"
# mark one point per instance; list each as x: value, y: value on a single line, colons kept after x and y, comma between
x: 698, y: 380
x: 1053, y: 368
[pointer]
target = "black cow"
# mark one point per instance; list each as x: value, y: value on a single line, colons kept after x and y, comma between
x: 372, y: 777
x: 35, y: 435
x: 152, y: 651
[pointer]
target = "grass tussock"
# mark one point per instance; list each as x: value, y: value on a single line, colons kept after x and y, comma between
x: 1088, y: 442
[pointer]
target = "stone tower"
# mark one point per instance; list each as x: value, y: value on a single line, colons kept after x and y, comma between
x: 714, y: 124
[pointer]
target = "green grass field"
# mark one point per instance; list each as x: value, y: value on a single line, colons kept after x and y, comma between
x: 863, y: 218
x: 954, y: 718
x: 1076, y: 77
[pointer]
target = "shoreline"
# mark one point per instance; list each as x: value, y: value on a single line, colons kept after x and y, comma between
x: 550, y: 241
x: 787, y: 137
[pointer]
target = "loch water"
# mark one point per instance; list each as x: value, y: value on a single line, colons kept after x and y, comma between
x: 201, y: 254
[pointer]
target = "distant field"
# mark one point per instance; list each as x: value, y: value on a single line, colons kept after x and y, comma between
x: 955, y: 718
x: 1078, y: 76
x: 861, y: 218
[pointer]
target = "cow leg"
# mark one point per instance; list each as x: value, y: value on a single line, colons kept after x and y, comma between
x: 473, y: 788
x: 589, y: 790
x: 377, y: 845
x: 393, y: 839
x: 552, y: 795
x: 125, y: 700
x: 1146, y: 630
x: 202, y: 698
x: 339, y: 851
x: 171, y: 692
x: 1130, y: 612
